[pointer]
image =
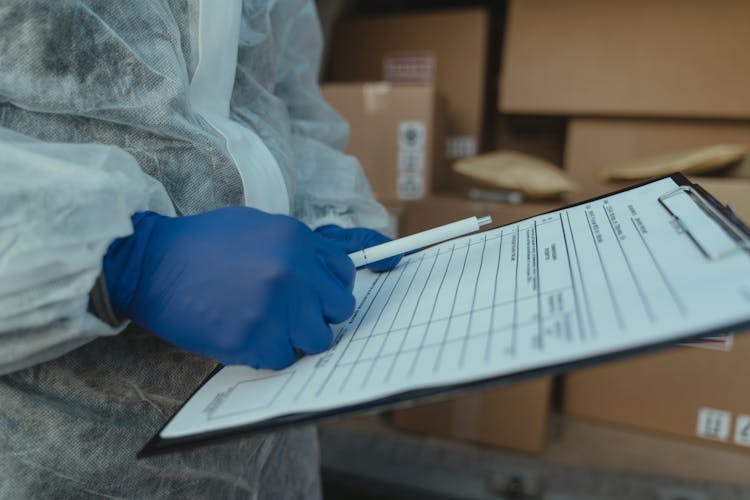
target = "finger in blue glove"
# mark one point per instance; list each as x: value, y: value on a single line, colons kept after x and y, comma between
x: 359, y: 238
x: 236, y: 284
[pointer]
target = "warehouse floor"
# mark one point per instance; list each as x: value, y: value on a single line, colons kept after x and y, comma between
x: 364, y: 458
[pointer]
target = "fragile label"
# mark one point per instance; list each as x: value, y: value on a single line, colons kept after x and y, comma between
x: 713, y: 424
x: 409, y: 67
x: 411, y: 135
x: 460, y: 146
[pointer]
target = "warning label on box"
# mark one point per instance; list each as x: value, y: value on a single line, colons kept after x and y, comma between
x: 460, y: 146
x: 410, y: 182
x: 409, y: 67
x: 713, y: 424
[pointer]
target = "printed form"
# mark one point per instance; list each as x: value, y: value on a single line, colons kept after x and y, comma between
x: 609, y: 275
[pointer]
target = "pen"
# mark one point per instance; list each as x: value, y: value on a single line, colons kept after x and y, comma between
x: 418, y: 240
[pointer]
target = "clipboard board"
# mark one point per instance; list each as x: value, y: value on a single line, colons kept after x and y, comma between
x: 738, y: 240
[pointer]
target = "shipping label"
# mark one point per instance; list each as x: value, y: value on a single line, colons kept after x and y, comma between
x: 713, y: 424
x: 410, y: 181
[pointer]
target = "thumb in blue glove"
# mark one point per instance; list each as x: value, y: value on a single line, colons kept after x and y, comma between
x: 236, y: 284
x: 359, y: 238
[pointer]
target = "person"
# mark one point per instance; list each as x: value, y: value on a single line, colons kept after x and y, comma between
x: 171, y: 163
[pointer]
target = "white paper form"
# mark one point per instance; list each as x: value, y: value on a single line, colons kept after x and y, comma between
x: 609, y: 275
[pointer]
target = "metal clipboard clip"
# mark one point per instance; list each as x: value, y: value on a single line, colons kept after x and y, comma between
x: 723, y: 216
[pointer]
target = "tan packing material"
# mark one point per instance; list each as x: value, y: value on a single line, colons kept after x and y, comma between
x: 696, y: 393
x: 669, y: 58
x: 594, y: 143
x: 690, y: 162
x: 396, y: 133
x: 448, y: 48
x: 510, y: 170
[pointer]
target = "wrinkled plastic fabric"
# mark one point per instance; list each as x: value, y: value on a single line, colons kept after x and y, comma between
x: 90, y: 72
x: 118, y: 73
x: 60, y: 207
x: 93, y: 409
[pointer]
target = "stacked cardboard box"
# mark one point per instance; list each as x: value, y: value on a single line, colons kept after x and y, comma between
x: 631, y: 79
x: 636, y: 79
x: 596, y: 143
x: 396, y: 133
x: 512, y: 416
x: 627, y: 58
x: 447, y: 49
x: 689, y: 392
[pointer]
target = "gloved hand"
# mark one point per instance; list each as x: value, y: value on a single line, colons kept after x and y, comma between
x: 236, y: 284
x: 359, y: 238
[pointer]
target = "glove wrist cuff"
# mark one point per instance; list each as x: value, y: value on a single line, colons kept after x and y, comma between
x: 100, y: 305
x: 123, y: 262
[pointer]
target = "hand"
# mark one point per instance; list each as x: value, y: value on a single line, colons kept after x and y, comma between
x: 359, y: 238
x: 236, y: 284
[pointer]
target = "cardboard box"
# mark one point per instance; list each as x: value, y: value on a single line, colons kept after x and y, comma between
x: 670, y: 58
x: 395, y: 133
x: 690, y: 392
x: 595, y: 143
x: 539, y: 136
x: 448, y: 48
x: 512, y: 416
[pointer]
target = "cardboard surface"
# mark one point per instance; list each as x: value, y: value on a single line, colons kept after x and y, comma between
x: 595, y: 143
x: 395, y: 133
x: 540, y: 136
x: 512, y: 416
x: 671, y: 58
x: 670, y: 392
x: 447, y: 47
x: 580, y: 442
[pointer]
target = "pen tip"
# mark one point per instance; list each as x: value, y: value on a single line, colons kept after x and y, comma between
x: 483, y: 221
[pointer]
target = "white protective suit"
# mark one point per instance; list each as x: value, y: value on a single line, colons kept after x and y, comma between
x: 106, y: 109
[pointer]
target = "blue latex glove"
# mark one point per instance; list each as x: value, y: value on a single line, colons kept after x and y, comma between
x: 236, y: 284
x: 359, y: 238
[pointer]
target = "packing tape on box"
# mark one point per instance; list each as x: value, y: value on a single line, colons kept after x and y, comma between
x: 375, y: 96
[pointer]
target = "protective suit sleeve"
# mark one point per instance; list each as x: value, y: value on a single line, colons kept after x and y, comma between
x: 61, y: 207
x: 331, y: 186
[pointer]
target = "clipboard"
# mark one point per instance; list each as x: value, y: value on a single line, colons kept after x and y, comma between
x: 738, y: 235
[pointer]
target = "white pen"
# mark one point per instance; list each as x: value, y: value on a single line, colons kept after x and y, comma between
x: 418, y: 240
